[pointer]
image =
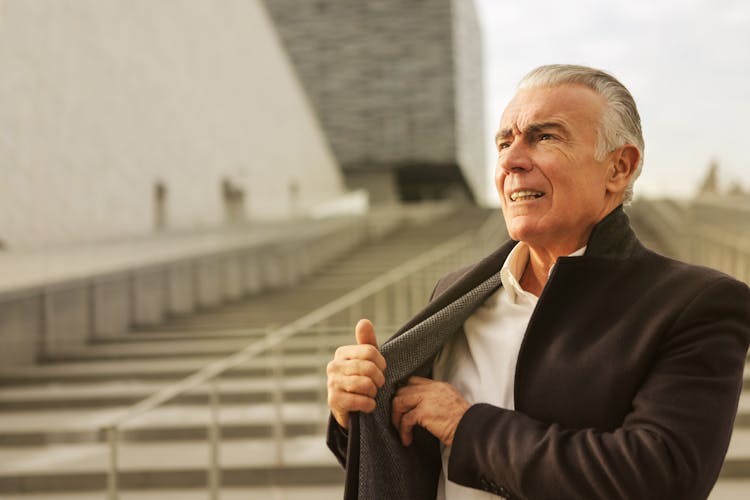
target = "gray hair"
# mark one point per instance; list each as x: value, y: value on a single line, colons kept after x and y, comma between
x: 620, y: 124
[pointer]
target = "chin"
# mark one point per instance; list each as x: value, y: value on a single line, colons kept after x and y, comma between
x: 521, y: 232
x: 521, y: 228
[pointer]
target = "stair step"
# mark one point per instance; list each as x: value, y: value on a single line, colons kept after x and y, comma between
x: 166, y: 423
x: 165, y: 349
x: 307, y: 492
x: 729, y: 489
x: 149, y: 369
x: 242, y: 390
x: 82, y: 467
x: 737, y: 463
x: 743, y: 411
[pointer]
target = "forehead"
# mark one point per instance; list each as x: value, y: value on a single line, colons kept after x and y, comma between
x: 571, y: 105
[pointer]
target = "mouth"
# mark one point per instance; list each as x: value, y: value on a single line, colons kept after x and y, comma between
x: 525, y: 195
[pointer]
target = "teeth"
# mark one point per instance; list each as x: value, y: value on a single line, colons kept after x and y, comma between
x: 525, y: 195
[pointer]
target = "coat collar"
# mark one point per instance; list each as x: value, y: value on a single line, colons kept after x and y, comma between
x: 611, y: 238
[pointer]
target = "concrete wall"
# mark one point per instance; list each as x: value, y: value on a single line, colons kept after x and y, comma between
x: 103, y: 99
x: 471, y: 132
x: 46, y: 321
x: 385, y: 81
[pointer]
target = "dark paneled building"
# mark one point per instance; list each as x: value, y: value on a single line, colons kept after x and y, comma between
x: 397, y: 86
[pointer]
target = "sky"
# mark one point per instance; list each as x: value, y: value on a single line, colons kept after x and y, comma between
x: 686, y: 62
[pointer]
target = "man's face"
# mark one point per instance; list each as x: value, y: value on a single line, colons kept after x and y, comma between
x: 552, y: 189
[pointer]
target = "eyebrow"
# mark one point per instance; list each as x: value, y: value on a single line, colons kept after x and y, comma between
x: 532, y: 128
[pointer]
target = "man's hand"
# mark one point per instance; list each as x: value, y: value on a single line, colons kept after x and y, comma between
x: 436, y: 406
x: 355, y: 374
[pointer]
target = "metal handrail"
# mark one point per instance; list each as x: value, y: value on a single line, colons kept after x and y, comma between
x: 717, y: 245
x: 210, y: 372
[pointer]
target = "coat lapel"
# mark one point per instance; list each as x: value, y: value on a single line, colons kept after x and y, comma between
x: 461, y: 284
x: 403, y: 473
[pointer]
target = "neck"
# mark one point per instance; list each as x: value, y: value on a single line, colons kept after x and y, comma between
x: 537, y: 271
x: 543, y: 257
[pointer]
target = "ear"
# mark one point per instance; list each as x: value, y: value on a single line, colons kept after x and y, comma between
x: 622, y: 168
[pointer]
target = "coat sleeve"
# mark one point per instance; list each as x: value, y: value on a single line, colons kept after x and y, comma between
x: 337, y: 440
x: 670, y: 446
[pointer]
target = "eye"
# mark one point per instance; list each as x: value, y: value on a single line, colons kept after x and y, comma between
x: 503, y: 145
x: 546, y: 137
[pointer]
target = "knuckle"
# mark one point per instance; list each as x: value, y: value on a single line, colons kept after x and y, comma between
x: 362, y: 385
x: 341, y: 352
x: 409, y: 419
x: 354, y: 402
x: 368, y: 369
x: 370, y: 351
x: 396, y: 408
x: 331, y: 383
x: 369, y: 405
x: 369, y: 388
x: 331, y: 367
x: 342, y: 401
x: 349, y: 384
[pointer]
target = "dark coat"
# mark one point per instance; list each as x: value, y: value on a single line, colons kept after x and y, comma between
x: 626, y: 386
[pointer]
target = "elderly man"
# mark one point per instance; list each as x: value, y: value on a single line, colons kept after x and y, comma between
x: 572, y: 363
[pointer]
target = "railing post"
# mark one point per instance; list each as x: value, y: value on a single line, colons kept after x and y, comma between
x: 417, y: 296
x: 744, y: 267
x: 214, y: 435
x: 400, y: 298
x: 428, y: 283
x: 277, y: 400
x: 323, y: 352
x: 112, y: 486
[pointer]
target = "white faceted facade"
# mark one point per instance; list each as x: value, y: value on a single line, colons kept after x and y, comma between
x: 121, y: 118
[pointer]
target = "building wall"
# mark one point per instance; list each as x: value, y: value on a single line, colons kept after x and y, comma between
x: 471, y: 131
x: 385, y: 81
x: 103, y: 99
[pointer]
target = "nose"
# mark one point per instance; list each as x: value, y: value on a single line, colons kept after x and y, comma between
x: 515, y: 158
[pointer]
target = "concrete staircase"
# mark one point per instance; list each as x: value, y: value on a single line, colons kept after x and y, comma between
x: 50, y: 412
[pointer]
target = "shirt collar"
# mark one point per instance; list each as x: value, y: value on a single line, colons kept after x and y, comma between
x: 512, y: 270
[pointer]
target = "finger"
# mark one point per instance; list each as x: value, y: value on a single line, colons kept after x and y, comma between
x: 364, y: 351
x: 356, y: 367
x: 402, y: 404
x: 396, y: 417
x: 408, y: 421
x: 355, y: 384
x: 364, y: 368
x: 365, y: 333
x: 414, y: 391
x: 420, y: 381
x: 398, y: 408
x: 345, y: 402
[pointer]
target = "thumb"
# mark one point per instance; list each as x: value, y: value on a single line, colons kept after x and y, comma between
x: 365, y: 333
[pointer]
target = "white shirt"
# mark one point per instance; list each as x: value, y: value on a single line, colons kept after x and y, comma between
x: 481, y: 364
